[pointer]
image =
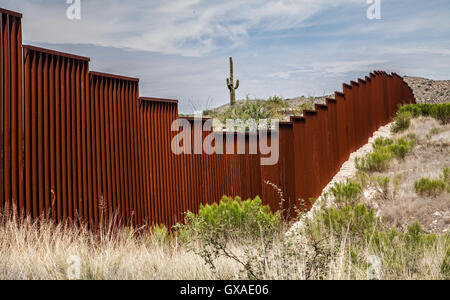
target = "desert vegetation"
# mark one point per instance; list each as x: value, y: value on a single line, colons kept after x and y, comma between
x: 273, y: 108
x: 388, y: 221
x: 232, y: 240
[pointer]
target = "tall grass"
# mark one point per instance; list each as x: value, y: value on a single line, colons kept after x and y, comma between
x: 336, y: 245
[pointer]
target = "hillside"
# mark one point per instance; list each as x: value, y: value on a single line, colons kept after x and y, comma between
x: 391, y: 192
x: 429, y: 91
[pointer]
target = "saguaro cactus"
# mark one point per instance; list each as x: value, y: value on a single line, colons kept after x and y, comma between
x: 231, y: 86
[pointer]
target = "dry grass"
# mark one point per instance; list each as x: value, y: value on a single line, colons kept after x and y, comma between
x: 32, y: 251
x: 429, y: 157
x: 41, y: 251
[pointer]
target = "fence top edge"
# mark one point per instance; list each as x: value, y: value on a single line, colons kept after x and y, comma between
x: 297, y: 118
x: 363, y: 81
x: 192, y: 119
x: 310, y: 112
x: 160, y: 100
x: 339, y: 94
x: 10, y: 12
x: 56, y: 53
x: 286, y: 123
x: 113, y: 76
x: 331, y: 100
x: 321, y: 106
x: 347, y: 86
x: 354, y: 83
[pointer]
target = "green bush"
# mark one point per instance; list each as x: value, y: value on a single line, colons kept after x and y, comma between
x: 384, y: 150
x: 208, y: 113
x: 348, y: 193
x: 382, y: 143
x: 402, y: 122
x: 401, y: 148
x: 440, y: 112
x: 256, y: 109
x: 429, y: 187
x: 375, y: 161
x: 352, y: 221
x: 231, y: 218
x: 406, y: 250
x: 445, y: 177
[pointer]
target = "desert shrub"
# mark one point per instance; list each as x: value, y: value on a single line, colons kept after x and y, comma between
x: 384, y: 150
x: 276, y: 100
x: 417, y: 110
x: 375, y: 161
x: 352, y: 221
x: 256, y: 109
x: 382, y: 142
x: 429, y: 187
x: 401, y: 147
x: 445, y: 177
x: 440, y: 112
x: 401, y: 122
x: 406, y: 250
x: 348, y: 193
x: 347, y: 215
x: 231, y: 218
x: 208, y: 112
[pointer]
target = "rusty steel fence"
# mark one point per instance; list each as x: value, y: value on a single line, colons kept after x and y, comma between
x: 11, y: 117
x: 84, y: 147
x: 113, y: 152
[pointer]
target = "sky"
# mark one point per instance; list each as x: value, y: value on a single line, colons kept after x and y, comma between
x: 179, y: 48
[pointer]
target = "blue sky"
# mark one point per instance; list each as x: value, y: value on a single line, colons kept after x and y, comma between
x: 180, y: 48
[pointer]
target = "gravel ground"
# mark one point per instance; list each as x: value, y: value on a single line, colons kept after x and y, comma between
x: 429, y: 91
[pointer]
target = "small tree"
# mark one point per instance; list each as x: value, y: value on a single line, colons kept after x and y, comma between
x: 231, y: 86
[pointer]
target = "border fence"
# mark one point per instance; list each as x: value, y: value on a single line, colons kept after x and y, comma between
x: 84, y: 147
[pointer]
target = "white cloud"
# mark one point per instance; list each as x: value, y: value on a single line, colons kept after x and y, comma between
x: 331, y: 67
x: 185, y: 27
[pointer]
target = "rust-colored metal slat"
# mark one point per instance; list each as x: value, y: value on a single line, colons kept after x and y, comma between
x: 93, y: 150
